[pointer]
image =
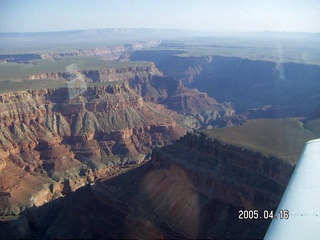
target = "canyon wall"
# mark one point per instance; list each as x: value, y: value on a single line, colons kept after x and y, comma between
x: 198, y: 109
x: 269, y: 89
x: 53, y: 141
x: 56, y: 140
x: 191, y: 189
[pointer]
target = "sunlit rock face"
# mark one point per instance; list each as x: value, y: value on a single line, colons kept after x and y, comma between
x: 54, y: 141
x: 191, y: 189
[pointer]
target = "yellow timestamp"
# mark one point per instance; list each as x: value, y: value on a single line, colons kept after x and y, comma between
x: 265, y: 214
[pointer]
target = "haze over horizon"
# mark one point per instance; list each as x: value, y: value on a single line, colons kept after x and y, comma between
x: 201, y: 15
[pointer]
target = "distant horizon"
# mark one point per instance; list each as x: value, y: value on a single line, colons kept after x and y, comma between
x: 24, y: 16
x: 164, y: 29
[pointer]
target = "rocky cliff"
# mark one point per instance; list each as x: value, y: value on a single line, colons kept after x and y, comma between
x: 56, y: 140
x: 191, y: 189
x: 102, y: 75
x: 198, y: 109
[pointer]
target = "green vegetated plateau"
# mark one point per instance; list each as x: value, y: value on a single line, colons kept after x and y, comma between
x: 11, y: 73
x: 282, y: 138
x: 16, y: 71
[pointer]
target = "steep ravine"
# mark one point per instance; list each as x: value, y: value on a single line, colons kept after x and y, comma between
x: 191, y: 189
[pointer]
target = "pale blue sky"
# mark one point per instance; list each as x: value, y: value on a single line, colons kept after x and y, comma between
x: 211, y: 15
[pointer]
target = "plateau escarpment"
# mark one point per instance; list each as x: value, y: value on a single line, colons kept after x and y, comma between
x: 110, y: 53
x: 191, y: 189
x: 106, y: 74
x: 282, y: 138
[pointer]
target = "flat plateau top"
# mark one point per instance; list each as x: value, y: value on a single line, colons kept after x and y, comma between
x: 282, y: 138
x: 15, y: 71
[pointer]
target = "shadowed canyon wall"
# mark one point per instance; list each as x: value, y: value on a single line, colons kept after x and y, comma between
x: 272, y: 89
x: 191, y: 189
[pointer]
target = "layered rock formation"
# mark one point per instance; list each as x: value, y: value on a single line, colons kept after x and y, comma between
x: 191, y: 189
x: 199, y: 110
x: 103, y: 75
x: 56, y: 140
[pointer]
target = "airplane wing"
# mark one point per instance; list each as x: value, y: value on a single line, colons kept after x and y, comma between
x: 298, y: 214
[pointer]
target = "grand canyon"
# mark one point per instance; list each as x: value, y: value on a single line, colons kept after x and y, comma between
x: 149, y: 139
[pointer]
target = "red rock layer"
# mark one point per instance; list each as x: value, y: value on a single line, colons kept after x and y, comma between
x: 53, y: 141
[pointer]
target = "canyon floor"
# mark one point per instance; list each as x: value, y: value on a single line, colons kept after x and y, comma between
x: 151, y: 138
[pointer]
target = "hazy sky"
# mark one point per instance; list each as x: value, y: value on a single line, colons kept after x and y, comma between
x: 212, y: 15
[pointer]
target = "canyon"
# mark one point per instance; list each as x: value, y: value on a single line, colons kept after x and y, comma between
x: 54, y: 141
x: 115, y: 152
x: 258, y: 89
